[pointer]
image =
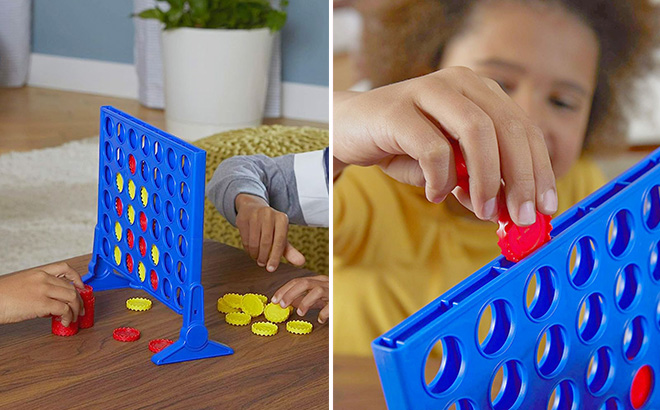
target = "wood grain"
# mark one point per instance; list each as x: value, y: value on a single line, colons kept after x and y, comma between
x: 92, y: 370
x: 32, y: 118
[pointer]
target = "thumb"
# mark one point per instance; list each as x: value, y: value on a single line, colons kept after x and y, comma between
x: 293, y: 255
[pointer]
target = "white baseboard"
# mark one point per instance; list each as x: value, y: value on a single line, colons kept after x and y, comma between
x: 299, y: 101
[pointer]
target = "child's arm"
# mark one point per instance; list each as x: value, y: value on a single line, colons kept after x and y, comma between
x: 261, y: 195
x: 405, y: 129
x: 41, y: 292
x: 311, y: 292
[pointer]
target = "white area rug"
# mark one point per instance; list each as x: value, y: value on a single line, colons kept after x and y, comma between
x: 47, y: 204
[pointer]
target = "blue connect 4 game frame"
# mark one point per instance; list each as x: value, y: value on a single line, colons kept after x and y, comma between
x: 571, y: 325
x: 149, y: 231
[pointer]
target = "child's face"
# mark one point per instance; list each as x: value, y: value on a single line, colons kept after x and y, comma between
x: 544, y: 57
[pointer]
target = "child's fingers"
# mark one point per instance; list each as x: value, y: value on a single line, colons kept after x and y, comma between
x: 324, y: 313
x: 68, y: 296
x: 313, y: 296
x: 56, y: 281
x: 279, y: 242
x: 62, y: 269
x: 546, y: 191
x: 61, y: 309
x: 267, y: 232
x: 254, y: 236
x: 290, y: 291
x: 293, y: 255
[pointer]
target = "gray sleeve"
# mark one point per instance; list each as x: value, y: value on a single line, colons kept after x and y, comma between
x: 272, y: 179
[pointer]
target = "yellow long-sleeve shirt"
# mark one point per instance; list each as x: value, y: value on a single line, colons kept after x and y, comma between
x: 394, y: 251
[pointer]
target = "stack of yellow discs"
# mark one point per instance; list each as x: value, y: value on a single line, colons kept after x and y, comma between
x: 264, y: 328
x: 223, y: 307
x: 238, y: 318
x: 252, y: 305
x: 262, y: 298
x: 233, y: 300
x: 276, y: 313
x: 138, y: 304
x: 299, y: 327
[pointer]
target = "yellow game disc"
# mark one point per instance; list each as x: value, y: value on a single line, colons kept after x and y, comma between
x: 144, y: 196
x: 252, y: 305
x: 155, y: 255
x: 142, y: 271
x: 138, y: 304
x: 262, y: 298
x: 120, y: 182
x: 264, y: 328
x: 223, y: 307
x: 299, y: 327
x: 118, y: 231
x: 131, y: 189
x: 233, y: 300
x: 276, y: 313
x: 117, y: 255
x: 130, y: 212
x: 238, y: 318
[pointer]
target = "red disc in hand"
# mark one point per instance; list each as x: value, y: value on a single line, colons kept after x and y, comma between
x: 516, y: 241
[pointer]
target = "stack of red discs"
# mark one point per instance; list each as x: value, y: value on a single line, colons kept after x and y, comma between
x: 87, y: 320
x: 60, y: 330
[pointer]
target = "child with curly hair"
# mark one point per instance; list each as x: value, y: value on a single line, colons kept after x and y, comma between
x: 526, y: 88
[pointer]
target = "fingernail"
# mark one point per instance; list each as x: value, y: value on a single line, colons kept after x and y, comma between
x: 270, y: 268
x: 490, y: 208
x: 299, y: 312
x: 550, y: 201
x: 526, y: 213
x: 321, y: 321
x: 274, y: 299
x: 261, y: 265
x: 283, y: 304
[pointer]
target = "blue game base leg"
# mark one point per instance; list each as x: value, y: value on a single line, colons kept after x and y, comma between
x: 101, y: 276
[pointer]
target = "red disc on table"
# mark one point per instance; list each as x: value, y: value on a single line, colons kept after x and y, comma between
x: 131, y: 163
x: 154, y: 279
x: 118, y: 206
x: 516, y: 241
x: 159, y: 344
x: 129, y: 263
x: 641, y: 387
x: 130, y: 240
x: 143, y: 222
x: 142, y: 244
x: 60, y: 330
x: 126, y: 334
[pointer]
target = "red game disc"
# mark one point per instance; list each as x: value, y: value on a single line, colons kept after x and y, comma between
x: 517, y: 242
x: 126, y: 334
x: 118, y: 206
x: 129, y: 263
x: 154, y: 279
x: 143, y: 222
x: 641, y: 387
x: 87, y: 293
x: 60, y: 330
x: 130, y: 239
x: 143, y: 246
x: 159, y: 344
x: 131, y: 163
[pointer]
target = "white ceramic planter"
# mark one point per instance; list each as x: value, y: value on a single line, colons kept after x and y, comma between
x: 215, y: 80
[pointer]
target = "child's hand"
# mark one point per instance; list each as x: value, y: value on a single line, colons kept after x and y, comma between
x: 405, y: 127
x: 41, y: 292
x: 264, y: 232
x: 311, y: 292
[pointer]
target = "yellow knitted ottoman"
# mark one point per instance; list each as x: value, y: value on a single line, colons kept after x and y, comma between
x: 271, y: 140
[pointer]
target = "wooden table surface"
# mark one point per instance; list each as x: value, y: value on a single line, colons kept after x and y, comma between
x: 91, y: 370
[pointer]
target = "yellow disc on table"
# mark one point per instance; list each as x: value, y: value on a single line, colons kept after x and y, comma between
x: 118, y: 231
x: 299, y: 327
x: 223, y: 307
x: 264, y: 328
x: 155, y: 255
x: 120, y: 182
x: 144, y: 196
x: 262, y: 298
x: 276, y: 313
x: 117, y: 255
x: 138, y: 304
x: 252, y: 305
x: 130, y: 213
x: 233, y: 300
x: 142, y: 271
x: 238, y: 318
x: 131, y: 189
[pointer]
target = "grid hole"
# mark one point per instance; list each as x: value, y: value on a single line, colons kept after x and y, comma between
x: 439, y: 378
x: 132, y: 139
x: 635, y: 340
x: 627, y: 286
x: 497, y: 316
x: 106, y: 223
x: 169, y: 237
x: 582, y: 263
x: 108, y: 175
x: 106, y: 247
x: 144, y: 170
x: 107, y: 200
x: 185, y: 193
x: 463, y: 404
x: 651, y: 208
x: 551, y: 351
x: 108, y: 151
x: 120, y: 157
x: 183, y: 246
x: 120, y: 135
x: 144, y: 144
x: 180, y: 297
x: 619, y: 232
x: 506, y: 390
x: 156, y: 204
x: 181, y: 271
x: 169, y: 211
x: 155, y: 229
x: 183, y: 219
x: 108, y: 126
x: 654, y: 266
x: 185, y: 165
x: 167, y: 288
x: 564, y: 397
x: 600, y: 372
x: 170, y: 185
x: 169, y: 263
x: 591, y: 317
x: 612, y: 404
x: 171, y: 158
x: 158, y: 178
x: 158, y: 151
x: 541, y: 292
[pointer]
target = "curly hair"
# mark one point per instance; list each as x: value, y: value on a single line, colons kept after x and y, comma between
x: 407, y: 38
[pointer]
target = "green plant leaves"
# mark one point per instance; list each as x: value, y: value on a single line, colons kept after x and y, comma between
x: 226, y: 14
